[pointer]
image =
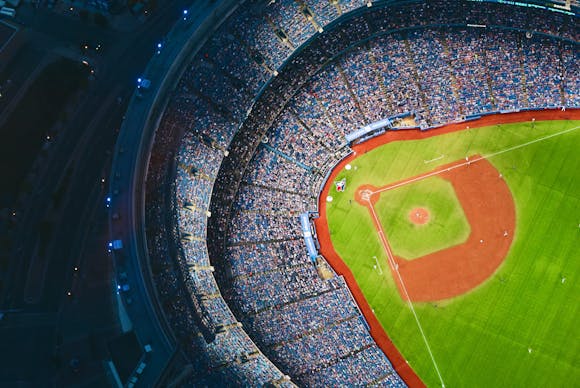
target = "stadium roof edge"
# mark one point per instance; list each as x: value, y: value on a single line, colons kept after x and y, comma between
x: 126, y: 220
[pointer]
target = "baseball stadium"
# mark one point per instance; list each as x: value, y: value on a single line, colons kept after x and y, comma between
x: 358, y: 193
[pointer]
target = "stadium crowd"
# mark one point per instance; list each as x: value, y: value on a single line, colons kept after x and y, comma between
x: 211, y: 337
x: 263, y: 131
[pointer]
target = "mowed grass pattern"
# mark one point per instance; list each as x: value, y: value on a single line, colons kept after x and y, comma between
x: 519, y: 328
x: 447, y: 224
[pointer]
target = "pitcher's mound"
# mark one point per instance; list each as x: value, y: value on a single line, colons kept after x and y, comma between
x: 419, y: 216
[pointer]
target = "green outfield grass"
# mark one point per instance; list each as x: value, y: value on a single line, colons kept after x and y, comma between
x: 447, y: 224
x: 519, y: 328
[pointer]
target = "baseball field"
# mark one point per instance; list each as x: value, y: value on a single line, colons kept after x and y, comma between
x: 463, y: 244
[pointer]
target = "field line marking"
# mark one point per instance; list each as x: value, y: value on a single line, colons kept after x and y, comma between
x: 530, y: 142
x: 395, y: 268
x: 378, y: 265
x: 435, y: 159
x: 488, y: 156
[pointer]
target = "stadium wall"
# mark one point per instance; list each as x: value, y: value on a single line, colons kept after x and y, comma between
x: 129, y: 169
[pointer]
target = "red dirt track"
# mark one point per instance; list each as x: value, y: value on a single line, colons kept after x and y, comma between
x: 327, y: 249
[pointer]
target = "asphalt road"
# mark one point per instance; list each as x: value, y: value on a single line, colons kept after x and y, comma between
x: 68, y: 203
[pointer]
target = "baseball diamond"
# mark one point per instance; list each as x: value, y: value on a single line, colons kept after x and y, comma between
x: 456, y: 295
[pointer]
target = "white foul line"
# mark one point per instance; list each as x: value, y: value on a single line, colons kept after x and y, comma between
x: 395, y: 268
x: 488, y: 156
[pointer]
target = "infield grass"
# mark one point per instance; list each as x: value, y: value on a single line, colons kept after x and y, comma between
x: 520, y: 327
x: 447, y: 225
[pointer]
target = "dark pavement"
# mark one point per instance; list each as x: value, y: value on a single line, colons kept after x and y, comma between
x: 44, y: 327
